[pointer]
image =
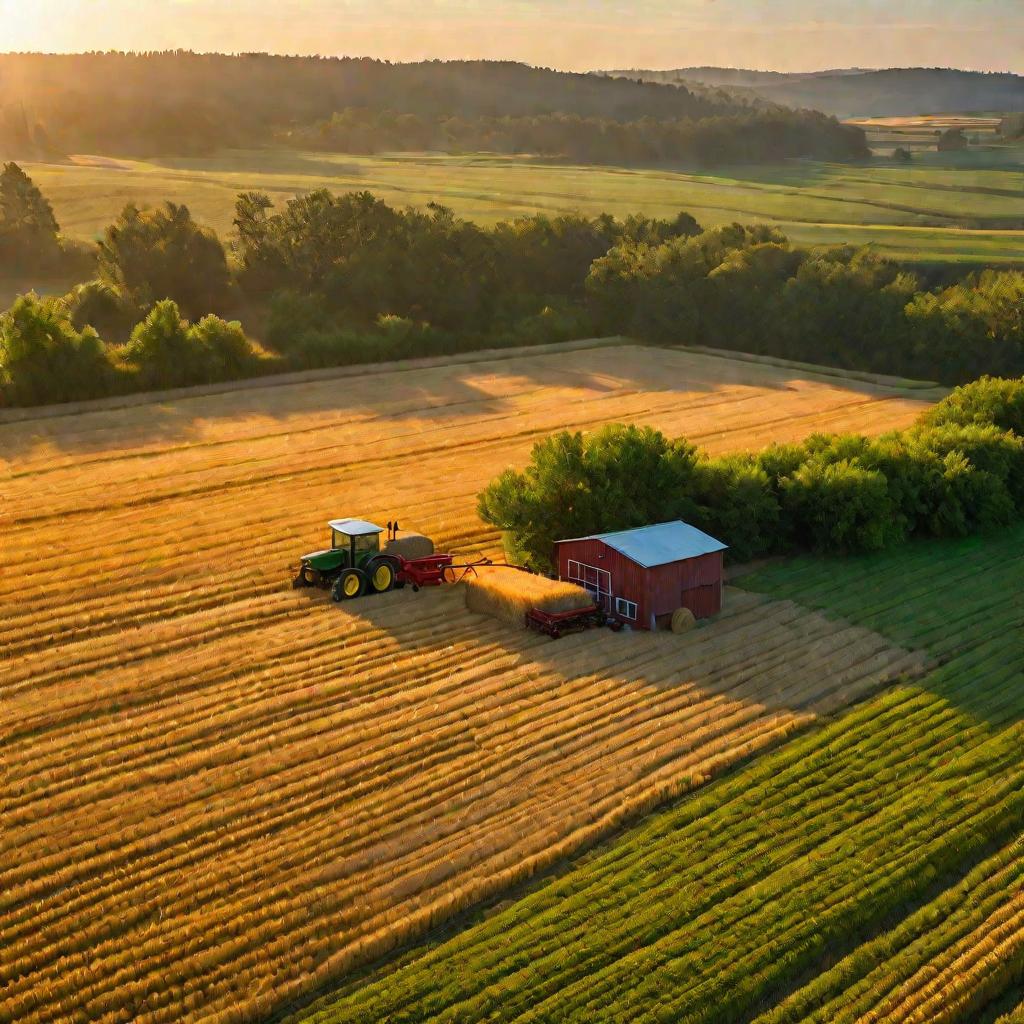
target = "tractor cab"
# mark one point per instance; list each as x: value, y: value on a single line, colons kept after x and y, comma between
x: 356, y: 537
x: 352, y: 565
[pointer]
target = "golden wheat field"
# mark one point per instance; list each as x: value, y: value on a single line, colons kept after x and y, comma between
x: 220, y: 794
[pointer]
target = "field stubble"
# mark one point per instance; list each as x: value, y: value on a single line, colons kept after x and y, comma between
x: 220, y: 793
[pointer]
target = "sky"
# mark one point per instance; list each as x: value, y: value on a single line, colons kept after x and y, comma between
x: 781, y: 35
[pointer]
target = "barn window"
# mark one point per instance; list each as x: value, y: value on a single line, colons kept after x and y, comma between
x: 597, y: 581
x: 627, y: 609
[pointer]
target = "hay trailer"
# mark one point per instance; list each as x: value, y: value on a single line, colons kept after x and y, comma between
x: 356, y: 564
x: 557, y: 624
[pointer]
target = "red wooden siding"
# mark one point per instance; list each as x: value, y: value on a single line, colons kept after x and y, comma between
x: 694, y: 583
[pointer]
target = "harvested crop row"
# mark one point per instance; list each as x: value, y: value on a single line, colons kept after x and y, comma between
x: 610, y: 736
x: 220, y: 793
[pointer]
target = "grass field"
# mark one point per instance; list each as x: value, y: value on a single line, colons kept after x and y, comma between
x: 221, y: 794
x: 961, y: 208
x: 870, y: 871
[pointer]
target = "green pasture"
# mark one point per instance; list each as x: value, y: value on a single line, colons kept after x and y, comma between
x: 968, y: 210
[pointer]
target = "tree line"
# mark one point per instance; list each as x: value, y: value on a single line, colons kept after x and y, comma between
x: 145, y: 104
x: 755, y: 136
x: 326, y: 280
x: 958, y: 471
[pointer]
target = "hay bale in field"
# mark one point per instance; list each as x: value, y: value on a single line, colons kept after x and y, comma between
x: 683, y: 620
x: 508, y: 594
x: 409, y: 545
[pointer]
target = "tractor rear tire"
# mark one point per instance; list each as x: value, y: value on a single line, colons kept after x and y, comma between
x: 350, y: 584
x: 381, y: 575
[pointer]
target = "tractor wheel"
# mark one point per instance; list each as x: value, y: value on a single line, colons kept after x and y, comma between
x: 351, y: 583
x: 382, y: 576
x: 308, y: 577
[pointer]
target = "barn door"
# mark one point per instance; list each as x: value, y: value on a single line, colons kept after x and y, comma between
x: 597, y: 581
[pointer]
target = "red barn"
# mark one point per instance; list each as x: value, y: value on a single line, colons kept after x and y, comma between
x: 642, y: 576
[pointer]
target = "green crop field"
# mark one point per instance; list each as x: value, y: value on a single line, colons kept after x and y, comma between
x: 872, y: 869
x: 965, y: 209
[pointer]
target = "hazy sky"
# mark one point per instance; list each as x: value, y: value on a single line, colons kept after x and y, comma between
x: 783, y: 35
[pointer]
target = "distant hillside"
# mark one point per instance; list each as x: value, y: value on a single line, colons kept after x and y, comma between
x: 855, y: 92
x: 181, y: 103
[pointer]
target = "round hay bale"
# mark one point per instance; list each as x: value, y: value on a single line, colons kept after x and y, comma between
x: 410, y: 545
x: 683, y: 620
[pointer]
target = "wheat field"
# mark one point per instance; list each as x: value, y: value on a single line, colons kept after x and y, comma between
x: 220, y: 794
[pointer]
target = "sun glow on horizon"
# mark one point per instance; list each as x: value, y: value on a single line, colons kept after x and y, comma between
x: 785, y: 35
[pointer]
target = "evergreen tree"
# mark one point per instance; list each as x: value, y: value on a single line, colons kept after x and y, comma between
x: 28, y: 227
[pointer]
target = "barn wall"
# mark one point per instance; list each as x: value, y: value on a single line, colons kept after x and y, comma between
x: 627, y: 577
x: 702, y: 585
x: 694, y: 583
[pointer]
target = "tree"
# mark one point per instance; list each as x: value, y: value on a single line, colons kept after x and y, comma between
x: 43, y: 358
x: 952, y: 140
x: 255, y: 243
x: 170, y: 352
x: 902, y: 155
x: 990, y: 400
x: 617, y: 478
x: 840, y: 506
x: 29, y: 231
x: 153, y: 254
x: 97, y: 305
x: 737, y: 501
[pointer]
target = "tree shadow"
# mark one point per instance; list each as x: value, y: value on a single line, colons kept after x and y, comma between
x: 478, y: 386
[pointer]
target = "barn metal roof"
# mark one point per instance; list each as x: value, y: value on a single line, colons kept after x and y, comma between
x: 650, y: 546
x: 354, y: 527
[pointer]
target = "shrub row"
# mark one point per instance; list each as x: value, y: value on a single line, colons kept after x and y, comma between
x: 958, y: 471
x: 45, y: 357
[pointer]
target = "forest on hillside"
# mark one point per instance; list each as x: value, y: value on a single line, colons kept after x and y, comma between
x: 854, y: 91
x: 183, y: 103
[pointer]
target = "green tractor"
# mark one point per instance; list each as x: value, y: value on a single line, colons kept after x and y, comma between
x: 355, y: 564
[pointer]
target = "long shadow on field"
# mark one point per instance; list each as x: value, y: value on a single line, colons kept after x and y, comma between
x: 469, y: 390
x: 960, y: 600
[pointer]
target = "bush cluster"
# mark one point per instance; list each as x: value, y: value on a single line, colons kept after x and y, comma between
x: 958, y: 471
x: 746, y: 288
x: 46, y: 357
x: 341, y: 279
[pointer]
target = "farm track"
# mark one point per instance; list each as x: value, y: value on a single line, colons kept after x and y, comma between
x: 220, y: 794
x: 871, y: 871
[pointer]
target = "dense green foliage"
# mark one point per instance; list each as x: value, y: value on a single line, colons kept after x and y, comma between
x: 148, y: 255
x: 168, y: 351
x: 986, y: 401
x: 755, y: 136
x: 813, y: 885
x: 340, y: 279
x: 44, y: 358
x: 746, y: 288
x: 614, y: 478
x: 959, y: 471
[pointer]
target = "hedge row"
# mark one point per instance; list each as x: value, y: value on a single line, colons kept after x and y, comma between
x: 958, y: 471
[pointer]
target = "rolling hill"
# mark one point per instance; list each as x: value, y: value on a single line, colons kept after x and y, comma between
x: 856, y: 92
